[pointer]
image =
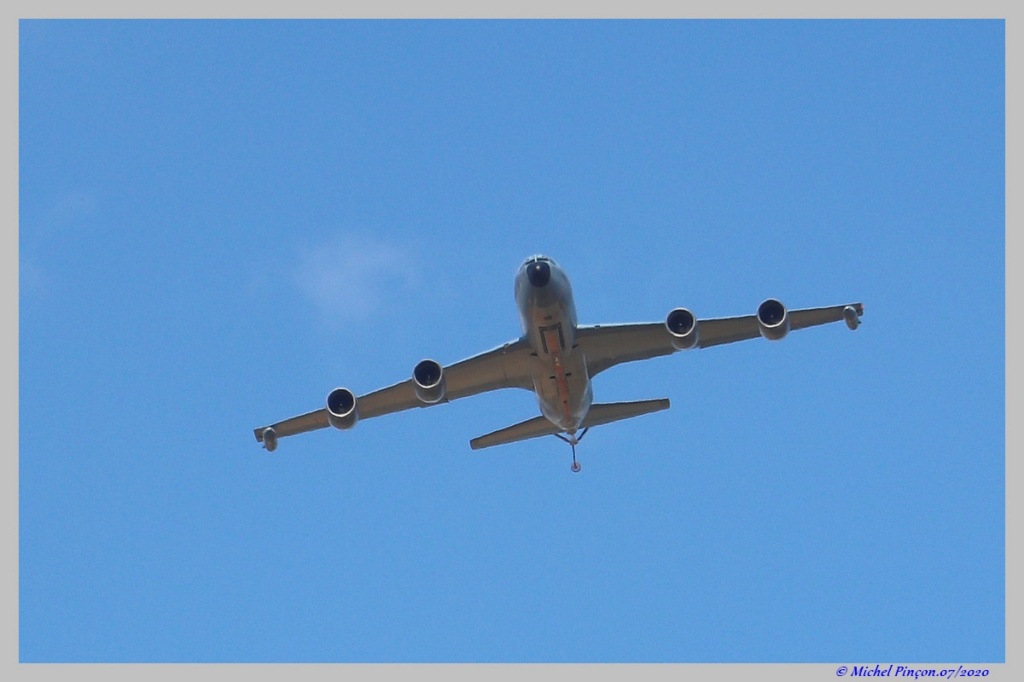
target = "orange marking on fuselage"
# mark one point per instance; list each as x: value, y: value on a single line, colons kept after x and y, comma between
x: 562, y: 384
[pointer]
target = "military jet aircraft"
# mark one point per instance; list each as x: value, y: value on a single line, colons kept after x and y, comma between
x: 556, y: 358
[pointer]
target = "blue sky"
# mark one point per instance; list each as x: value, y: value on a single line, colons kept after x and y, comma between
x: 222, y: 221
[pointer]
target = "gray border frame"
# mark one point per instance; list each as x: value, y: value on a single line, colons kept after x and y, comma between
x: 505, y: 9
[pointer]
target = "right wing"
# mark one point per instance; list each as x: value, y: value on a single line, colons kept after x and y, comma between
x: 608, y: 345
x: 506, y: 366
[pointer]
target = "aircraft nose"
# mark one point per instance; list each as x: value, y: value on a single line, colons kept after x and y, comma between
x: 539, y: 273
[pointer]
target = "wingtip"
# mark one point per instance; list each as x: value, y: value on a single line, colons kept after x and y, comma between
x: 269, y: 439
x: 851, y: 315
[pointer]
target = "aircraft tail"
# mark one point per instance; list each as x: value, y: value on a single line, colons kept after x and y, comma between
x: 600, y: 413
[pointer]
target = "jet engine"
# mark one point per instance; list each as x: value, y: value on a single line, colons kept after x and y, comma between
x: 428, y: 379
x: 772, y: 320
x: 341, y: 409
x: 682, y: 325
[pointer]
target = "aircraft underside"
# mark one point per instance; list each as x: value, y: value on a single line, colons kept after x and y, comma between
x: 556, y: 359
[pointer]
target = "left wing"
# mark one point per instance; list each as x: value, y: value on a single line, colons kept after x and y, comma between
x: 506, y: 366
x: 605, y: 346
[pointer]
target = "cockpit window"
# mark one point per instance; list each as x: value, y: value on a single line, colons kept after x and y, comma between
x: 538, y: 258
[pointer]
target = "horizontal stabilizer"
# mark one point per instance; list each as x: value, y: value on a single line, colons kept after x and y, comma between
x: 606, y: 413
x: 531, y: 428
x: 601, y: 413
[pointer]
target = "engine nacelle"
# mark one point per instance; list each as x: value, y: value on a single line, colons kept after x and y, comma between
x: 428, y: 379
x: 341, y: 408
x: 682, y: 325
x: 772, y: 320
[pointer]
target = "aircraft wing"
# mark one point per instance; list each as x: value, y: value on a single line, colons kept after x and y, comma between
x: 506, y: 366
x: 605, y: 346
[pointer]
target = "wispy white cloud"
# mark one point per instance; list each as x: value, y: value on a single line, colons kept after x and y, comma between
x: 69, y: 210
x: 353, y: 277
x: 42, y: 231
x: 32, y: 279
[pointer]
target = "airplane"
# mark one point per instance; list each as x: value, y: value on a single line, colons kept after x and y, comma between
x: 556, y: 359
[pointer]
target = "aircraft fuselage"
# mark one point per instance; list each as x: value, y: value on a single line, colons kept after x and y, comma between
x: 548, y: 316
